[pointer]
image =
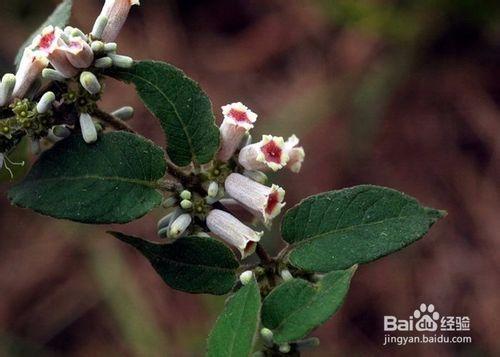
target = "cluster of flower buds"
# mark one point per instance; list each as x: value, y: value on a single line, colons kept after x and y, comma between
x: 235, y: 185
x: 64, y: 55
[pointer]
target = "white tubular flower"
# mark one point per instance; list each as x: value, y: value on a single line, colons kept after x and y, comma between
x: 79, y: 53
x: 266, y: 202
x: 268, y: 154
x: 232, y: 231
x: 53, y: 47
x: 238, y: 120
x: 296, y: 155
x: 116, y: 12
x: 30, y: 68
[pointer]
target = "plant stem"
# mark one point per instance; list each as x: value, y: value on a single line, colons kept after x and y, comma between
x: 262, y: 254
x: 112, y: 120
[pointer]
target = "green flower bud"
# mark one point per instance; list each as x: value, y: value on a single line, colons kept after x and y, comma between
x: 267, y: 336
x: 186, y: 204
x: 185, y: 195
x: 169, y: 202
x: 246, y: 277
x: 213, y: 189
x: 284, y: 348
x: 45, y: 102
x: 99, y: 26
x: 61, y: 131
x: 121, y: 61
x: 89, y: 131
x: 90, y: 82
x: 103, y: 62
x: 286, y: 275
x: 124, y: 113
x: 179, y: 226
x: 6, y: 88
x: 110, y: 47
x: 53, y: 75
x: 97, y: 47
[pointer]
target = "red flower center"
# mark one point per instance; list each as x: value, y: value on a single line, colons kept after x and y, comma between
x: 272, y: 201
x: 47, y: 40
x: 239, y: 115
x: 272, y: 151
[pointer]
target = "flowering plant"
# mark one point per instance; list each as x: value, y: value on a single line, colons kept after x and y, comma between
x: 211, y: 181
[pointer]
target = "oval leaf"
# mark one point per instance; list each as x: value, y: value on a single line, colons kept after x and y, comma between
x: 296, y: 307
x: 191, y: 264
x: 234, y: 331
x: 60, y: 17
x: 338, y: 229
x: 111, y: 181
x: 184, y: 110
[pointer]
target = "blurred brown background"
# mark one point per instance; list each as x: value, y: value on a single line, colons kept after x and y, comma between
x: 402, y: 93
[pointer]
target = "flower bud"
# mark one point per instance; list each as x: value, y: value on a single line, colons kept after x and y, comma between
x: 121, y: 61
x: 79, y: 53
x: 164, y: 222
x: 31, y: 66
x: 61, y: 131
x: 307, y: 343
x: 6, y: 88
x: 97, y: 47
x: 284, y: 348
x: 116, y: 12
x: 110, y: 47
x: 246, y: 277
x: 76, y: 32
x: 185, y: 195
x: 89, y: 131
x: 99, y: 26
x: 266, y: 202
x: 124, y: 113
x: 179, y: 226
x: 238, y: 120
x: 232, y: 231
x: 186, y: 204
x: 268, y: 154
x: 53, y: 75
x: 103, y: 62
x: 267, y: 336
x: 255, y: 175
x: 286, y: 275
x: 90, y: 82
x: 213, y: 189
x: 169, y: 202
x: 296, y: 155
x: 45, y: 102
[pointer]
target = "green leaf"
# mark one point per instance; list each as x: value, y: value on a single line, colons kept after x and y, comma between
x: 192, y: 264
x: 111, y: 181
x: 335, y: 230
x: 184, y: 110
x: 296, y: 307
x: 235, y: 329
x: 60, y: 17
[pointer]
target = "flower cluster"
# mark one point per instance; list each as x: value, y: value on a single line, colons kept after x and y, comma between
x: 235, y: 186
x: 74, y: 60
